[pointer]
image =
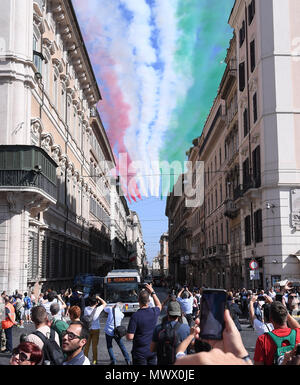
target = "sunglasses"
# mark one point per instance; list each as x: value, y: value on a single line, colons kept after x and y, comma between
x: 71, y: 336
x: 22, y: 356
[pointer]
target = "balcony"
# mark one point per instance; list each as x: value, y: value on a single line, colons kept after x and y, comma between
x: 217, y: 251
x: 231, y: 210
x: 250, y: 183
x: 27, y: 168
x: 229, y: 78
x: 237, y: 192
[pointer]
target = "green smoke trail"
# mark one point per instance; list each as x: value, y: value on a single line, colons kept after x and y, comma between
x: 204, y: 38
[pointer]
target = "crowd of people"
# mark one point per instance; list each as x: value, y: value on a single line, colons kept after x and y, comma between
x: 67, y: 325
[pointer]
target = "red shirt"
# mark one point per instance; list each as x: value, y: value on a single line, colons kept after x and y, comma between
x: 265, y: 348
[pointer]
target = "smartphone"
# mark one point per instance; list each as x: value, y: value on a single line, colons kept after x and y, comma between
x: 298, y: 350
x: 278, y: 297
x: 213, y: 304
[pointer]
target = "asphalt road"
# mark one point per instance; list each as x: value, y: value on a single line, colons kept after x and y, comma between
x: 248, y: 336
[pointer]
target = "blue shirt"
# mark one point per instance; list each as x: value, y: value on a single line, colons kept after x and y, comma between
x: 109, y: 326
x: 182, y: 332
x: 80, y: 359
x: 141, y: 324
x: 186, y: 304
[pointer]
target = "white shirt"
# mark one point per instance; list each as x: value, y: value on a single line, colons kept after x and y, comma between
x: 261, y: 327
x: 47, y: 307
x: 96, y: 322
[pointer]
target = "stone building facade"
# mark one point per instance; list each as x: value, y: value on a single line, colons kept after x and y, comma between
x: 55, y: 192
x: 249, y: 147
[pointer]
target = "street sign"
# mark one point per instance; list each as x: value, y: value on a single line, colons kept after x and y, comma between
x: 254, y: 275
x: 253, y: 264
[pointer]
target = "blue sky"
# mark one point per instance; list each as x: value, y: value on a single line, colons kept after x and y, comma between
x: 154, y: 223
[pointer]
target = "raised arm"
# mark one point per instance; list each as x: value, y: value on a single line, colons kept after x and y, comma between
x: 186, y: 342
x: 251, y: 309
x: 154, y: 296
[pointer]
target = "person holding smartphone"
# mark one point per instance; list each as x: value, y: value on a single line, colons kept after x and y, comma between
x: 229, y: 350
x: 186, y: 300
x: 261, y: 324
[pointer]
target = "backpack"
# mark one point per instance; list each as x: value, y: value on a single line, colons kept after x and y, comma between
x: 88, y: 319
x: 281, y: 350
x: 167, y: 344
x: 53, y: 354
x: 27, y: 302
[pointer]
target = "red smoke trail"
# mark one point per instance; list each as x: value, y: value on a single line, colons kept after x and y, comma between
x: 112, y: 107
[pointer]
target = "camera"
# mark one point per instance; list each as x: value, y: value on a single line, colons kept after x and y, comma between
x: 185, y: 287
x: 261, y: 298
x: 298, y: 350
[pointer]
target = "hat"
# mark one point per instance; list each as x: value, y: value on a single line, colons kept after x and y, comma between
x: 174, y: 308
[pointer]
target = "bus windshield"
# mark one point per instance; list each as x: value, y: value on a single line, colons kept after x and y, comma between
x: 121, y: 292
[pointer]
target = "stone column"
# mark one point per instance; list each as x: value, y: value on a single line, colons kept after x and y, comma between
x: 15, y: 238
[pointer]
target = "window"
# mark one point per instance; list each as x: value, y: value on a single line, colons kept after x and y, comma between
x: 246, y: 174
x: 55, y: 90
x: 37, y: 56
x: 242, y: 33
x: 258, y: 226
x: 254, y: 107
x: 245, y: 121
x: 247, y: 230
x: 242, y: 76
x: 68, y: 112
x: 256, y: 166
x: 80, y: 135
x: 220, y: 156
x: 251, y: 11
x: 74, y: 122
x: 63, y: 102
x: 46, y: 73
x: 222, y: 235
x: 252, y: 55
x: 221, y: 194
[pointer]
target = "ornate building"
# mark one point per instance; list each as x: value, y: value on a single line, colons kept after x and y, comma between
x: 55, y: 192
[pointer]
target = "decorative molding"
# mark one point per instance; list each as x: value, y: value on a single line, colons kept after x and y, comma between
x: 65, y: 79
x: 71, y: 92
x: 15, y: 203
x: 58, y: 64
x: 255, y: 138
x: 47, y: 141
x: 56, y: 152
x: 244, y: 151
x: 48, y: 44
x: 63, y: 161
x: 70, y: 169
x: 38, y: 21
x: 36, y: 126
x: 253, y: 85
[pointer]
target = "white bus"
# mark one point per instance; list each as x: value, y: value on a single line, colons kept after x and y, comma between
x: 123, y: 286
